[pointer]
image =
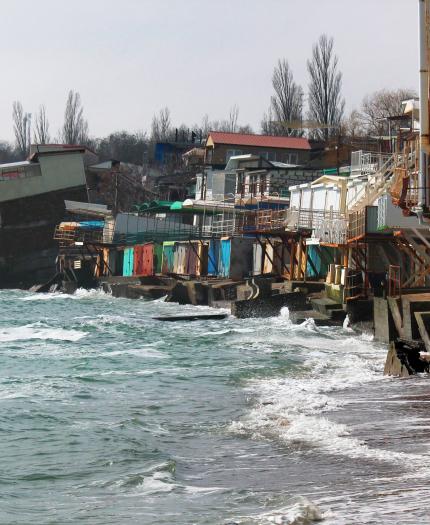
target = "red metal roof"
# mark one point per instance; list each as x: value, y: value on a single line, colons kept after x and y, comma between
x: 261, y: 141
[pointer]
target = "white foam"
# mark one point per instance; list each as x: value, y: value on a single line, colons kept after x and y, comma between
x: 301, y: 511
x: 28, y: 332
x: 45, y: 296
x: 83, y: 293
x: 296, y: 409
x: 80, y: 293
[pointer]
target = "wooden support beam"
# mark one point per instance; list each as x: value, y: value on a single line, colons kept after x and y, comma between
x: 275, y: 253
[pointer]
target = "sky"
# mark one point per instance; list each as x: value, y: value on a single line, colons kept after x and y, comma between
x: 130, y: 58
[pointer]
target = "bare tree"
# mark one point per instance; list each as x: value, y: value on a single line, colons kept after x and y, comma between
x: 206, y: 125
x: 268, y: 123
x: 326, y: 105
x: 233, y: 118
x: 352, y: 126
x: 161, y: 126
x: 246, y: 129
x: 21, y: 128
x: 287, y: 102
x: 381, y: 104
x: 41, y: 125
x: 75, y: 127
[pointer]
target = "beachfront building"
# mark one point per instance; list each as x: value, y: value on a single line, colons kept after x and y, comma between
x: 221, y: 146
x: 32, y: 194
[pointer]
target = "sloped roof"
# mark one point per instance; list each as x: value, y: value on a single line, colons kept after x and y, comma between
x: 105, y: 166
x: 262, y: 141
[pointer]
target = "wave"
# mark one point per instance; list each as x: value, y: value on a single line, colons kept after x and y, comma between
x: 300, y: 511
x: 80, y: 293
x: 295, y: 409
x: 28, y: 332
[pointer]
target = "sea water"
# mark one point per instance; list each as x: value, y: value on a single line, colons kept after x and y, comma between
x: 111, y: 417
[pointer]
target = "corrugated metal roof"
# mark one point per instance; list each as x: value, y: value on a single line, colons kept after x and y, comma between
x: 262, y: 141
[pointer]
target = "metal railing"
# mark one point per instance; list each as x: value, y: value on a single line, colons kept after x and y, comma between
x: 355, y: 285
x: 357, y: 224
x: 375, y: 185
x: 332, y: 231
x: 367, y: 163
x: 71, y: 236
x: 317, y: 220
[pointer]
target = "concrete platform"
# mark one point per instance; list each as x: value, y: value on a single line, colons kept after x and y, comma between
x: 268, y: 306
x: 310, y: 286
x: 324, y: 305
x: 319, y: 318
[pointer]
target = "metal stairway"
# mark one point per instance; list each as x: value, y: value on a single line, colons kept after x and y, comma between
x: 376, y: 184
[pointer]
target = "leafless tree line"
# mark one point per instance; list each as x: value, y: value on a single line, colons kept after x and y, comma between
x: 162, y: 129
x: 73, y: 131
x: 285, y: 115
x: 326, y: 106
x: 325, y: 102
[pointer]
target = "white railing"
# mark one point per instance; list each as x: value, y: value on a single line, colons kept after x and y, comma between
x: 367, y: 163
x: 375, y: 185
x: 329, y: 226
x: 332, y: 231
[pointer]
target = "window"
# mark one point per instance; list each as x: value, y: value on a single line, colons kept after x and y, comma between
x: 291, y: 158
x: 232, y: 153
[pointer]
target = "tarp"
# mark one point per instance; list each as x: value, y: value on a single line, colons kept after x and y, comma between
x: 177, y: 205
x: 91, y: 225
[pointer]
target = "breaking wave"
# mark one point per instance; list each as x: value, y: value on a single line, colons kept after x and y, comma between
x: 295, y: 409
x: 28, y: 332
x: 300, y: 511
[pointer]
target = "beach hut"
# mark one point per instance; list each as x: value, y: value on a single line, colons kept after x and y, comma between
x: 158, y: 256
x: 213, y: 257
x: 167, y: 265
x: 180, y: 258
x: 138, y: 260
x: 235, y: 257
x: 128, y: 264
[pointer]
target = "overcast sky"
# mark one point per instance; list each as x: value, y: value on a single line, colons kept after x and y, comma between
x: 129, y: 58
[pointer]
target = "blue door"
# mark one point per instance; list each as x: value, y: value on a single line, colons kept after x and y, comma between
x: 128, y: 262
x: 224, y: 266
x: 213, y: 256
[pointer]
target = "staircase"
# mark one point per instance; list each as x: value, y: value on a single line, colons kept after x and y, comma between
x: 376, y: 185
x: 417, y: 245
